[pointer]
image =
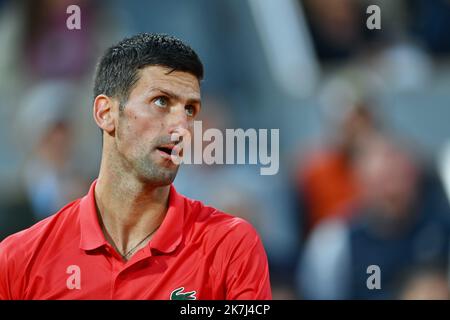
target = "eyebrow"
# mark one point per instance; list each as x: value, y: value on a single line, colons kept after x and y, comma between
x: 174, y: 95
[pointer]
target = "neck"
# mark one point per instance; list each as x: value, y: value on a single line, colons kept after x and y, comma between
x: 129, y: 210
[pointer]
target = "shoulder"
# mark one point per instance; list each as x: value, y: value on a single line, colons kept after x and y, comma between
x: 218, y: 223
x: 26, y: 243
x: 221, y: 233
x: 21, y: 252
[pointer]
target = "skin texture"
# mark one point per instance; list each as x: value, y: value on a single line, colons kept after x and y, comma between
x: 134, y: 181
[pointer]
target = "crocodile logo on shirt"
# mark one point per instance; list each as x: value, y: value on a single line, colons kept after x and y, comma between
x: 177, y: 294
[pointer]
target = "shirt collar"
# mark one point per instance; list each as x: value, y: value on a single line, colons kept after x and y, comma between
x: 166, y: 239
x: 170, y: 233
x: 91, y: 234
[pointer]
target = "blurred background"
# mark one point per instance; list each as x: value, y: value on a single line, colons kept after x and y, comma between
x: 363, y: 115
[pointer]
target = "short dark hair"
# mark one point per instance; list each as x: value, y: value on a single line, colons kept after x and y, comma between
x: 117, y: 70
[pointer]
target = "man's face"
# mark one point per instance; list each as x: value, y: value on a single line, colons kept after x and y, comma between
x: 159, y: 105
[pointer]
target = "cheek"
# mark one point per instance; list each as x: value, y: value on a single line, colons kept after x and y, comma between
x: 139, y: 130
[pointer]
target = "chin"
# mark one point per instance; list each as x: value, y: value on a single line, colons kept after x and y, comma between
x: 162, y: 177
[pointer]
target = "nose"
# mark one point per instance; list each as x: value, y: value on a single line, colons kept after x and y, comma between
x: 178, y: 120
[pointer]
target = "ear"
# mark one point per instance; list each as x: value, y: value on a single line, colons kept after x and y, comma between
x: 103, y: 112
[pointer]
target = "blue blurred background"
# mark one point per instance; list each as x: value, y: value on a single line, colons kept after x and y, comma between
x: 364, y: 173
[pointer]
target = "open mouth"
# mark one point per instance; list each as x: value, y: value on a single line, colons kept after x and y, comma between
x: 166, y: 150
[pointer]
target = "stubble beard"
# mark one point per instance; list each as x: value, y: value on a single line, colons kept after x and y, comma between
x: 150, y: 172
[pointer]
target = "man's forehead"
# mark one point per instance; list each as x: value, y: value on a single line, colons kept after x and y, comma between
x: 160, y: 77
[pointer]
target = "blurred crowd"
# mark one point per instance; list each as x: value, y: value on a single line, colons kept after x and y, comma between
x: 365, y: 165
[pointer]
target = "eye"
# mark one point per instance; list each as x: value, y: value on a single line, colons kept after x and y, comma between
x: 190, y: 110
x: 161, y: 102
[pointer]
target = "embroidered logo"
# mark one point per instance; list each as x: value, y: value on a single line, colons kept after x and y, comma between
x: 177, y: 294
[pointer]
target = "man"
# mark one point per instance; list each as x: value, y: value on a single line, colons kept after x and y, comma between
x: 400, y: 224
x: 133, y: 236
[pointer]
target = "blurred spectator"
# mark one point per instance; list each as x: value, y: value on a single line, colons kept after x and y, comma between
x: 40, y: 56
x: 51, y: 178
x: 326, y: 181
x: 399, y: 225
